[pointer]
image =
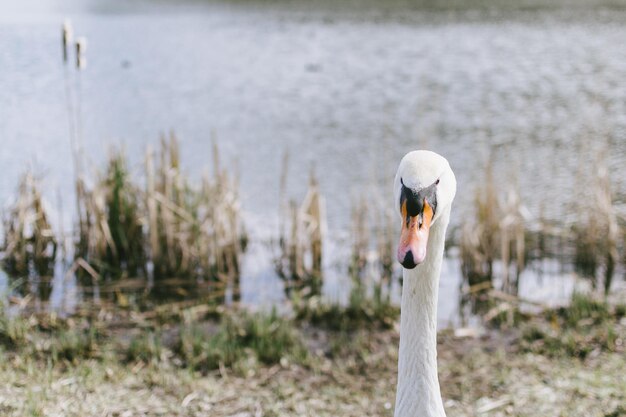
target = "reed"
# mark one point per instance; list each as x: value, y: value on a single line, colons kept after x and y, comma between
x: 499, y: 234
x: 180, y: 232
x: 66, y: 38
x: 596, y: 234
x: 385, y: 257
x: 479, y: 244
x: 299, y: 262
x: 371, y: 273
x: 513, y: 250
x: 110, y: 230
x: 357, y: 270
x: 371, y: 267
x: 193, y: 232
x: 29, y: 244
x: 81, y: 49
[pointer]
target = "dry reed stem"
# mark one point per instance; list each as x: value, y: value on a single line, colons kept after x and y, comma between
x: 479, y: 243
x: 111, y: 233
x: 66, y: 38
x: 597, y: 232
x: 29, y: 242
x: 194, y: 232
x: 299, y: 262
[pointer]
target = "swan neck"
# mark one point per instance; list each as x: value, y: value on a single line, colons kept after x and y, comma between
x: 418, y: 391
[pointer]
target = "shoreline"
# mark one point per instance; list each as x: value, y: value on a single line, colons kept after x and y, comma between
x: 566, y: 361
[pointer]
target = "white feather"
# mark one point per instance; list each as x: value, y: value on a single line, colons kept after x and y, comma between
x: 418, y: 393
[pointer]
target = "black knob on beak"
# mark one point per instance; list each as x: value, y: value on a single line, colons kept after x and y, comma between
x: 408, y: 262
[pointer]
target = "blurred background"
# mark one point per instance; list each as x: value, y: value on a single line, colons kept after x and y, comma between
x: 163, y: 154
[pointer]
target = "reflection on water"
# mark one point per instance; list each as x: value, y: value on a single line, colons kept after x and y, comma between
x: 348, y: 91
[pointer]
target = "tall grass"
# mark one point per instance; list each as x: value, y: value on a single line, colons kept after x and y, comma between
x: 499, y: 233
x: 386, y: 257
x: 596, y: 234
x: 193, y: 231
x: 170, y: 227
x: 372, y: 260
x: 494, y: 247
x: 110, y: 230
x: 358, y: 267
x: 299, y: 261
x: 479, y: 243
x: 29, y: 245
x: 371, y: 274
x: 513, y: 231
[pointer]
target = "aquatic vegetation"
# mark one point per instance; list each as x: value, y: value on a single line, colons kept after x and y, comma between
x: 174, y: 229
x: 81, y: 48
x: 29, y: 243
x: 479, y: 243
x: 299, y: 261
x: 371, y: 267
x: 66, y: 38
x: 385, y: 258
x: 110, y: 236
x: 357, y: 269
x: 513, y: 231
x: 193, y: 232
x: 596, y: 234
x: 499, y: 233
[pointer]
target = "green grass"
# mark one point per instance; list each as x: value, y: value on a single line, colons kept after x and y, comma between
x: 584, y: 308
x: 585, y: 326
x: 147, y: 347
x: 13, y: 330
x: 361, y: 313
x: 620, y: 411
x: 73, y: 345
x: 266, y: 338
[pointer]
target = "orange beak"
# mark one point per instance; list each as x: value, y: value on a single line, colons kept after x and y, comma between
x: 414, y: 236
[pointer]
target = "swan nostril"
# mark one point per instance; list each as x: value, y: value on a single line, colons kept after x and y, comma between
x: 408, y: 262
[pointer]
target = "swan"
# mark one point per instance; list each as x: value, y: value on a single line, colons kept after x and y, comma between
x: 424, y: 188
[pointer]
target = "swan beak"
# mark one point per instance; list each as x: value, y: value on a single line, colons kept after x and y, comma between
x: 414, y: 236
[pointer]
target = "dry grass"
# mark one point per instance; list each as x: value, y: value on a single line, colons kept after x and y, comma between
x: 499, y: 234
x: 479, y: 243
x: 299, y: 259
x: 193, y: 232
x: 347, y: 373
x: 29, y: 244
x: 358, y: 268
x: 110, y: 230
x: 372, y: 258
x: 184, y: 233
x: 597, y: 232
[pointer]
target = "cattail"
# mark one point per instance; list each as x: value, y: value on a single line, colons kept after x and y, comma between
x: 81, y: 48
x: 67, y: 37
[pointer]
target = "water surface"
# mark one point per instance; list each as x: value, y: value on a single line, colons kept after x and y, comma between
x: 347, y: 90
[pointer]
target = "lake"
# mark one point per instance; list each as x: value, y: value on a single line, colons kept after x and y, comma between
x: 346, y: 90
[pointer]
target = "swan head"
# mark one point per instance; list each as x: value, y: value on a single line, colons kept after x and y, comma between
x: 424, y: 188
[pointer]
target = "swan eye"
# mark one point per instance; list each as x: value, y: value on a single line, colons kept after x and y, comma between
x: 437, y: 182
